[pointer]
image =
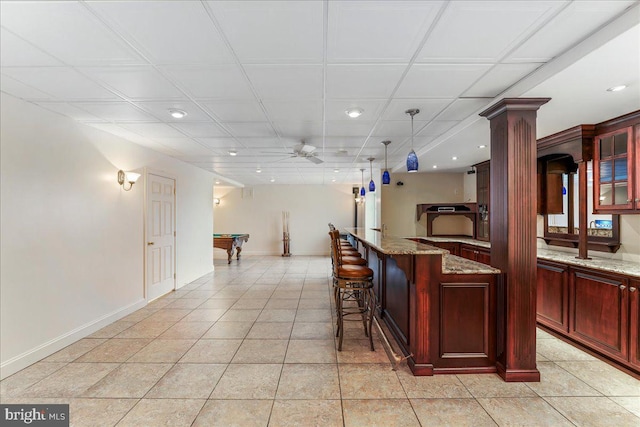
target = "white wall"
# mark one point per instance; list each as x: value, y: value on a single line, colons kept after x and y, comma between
x: 311, y: 208
x: 399, y: 203
x: 72, y: 240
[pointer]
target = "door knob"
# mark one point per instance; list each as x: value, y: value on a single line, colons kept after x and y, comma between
x: 150, y: 243
x: 632, y: 289
x: 623, y: 287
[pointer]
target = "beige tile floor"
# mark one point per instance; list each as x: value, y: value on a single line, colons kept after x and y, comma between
x: 253, y: 345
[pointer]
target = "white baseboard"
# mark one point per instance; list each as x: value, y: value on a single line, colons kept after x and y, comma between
x: 29, y: 357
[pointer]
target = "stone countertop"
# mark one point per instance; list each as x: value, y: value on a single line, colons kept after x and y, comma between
x: 459, y: 239
x: 389, y: 245
x: 452, y: 264
x: 626, y: 268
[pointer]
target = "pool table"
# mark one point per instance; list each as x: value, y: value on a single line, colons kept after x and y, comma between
x: 230, y: 242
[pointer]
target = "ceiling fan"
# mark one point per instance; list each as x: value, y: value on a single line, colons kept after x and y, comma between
x: 305, y: 151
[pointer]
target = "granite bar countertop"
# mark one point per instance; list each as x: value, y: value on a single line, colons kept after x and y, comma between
x: 391, y: 245
x: 626, y: 268
x: 452, y: 264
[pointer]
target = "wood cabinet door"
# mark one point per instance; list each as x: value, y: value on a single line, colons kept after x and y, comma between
x: 599, y: 311
x: 634, y: 326
x: 468, y: 252
x: 483, y: 256
x: 613, y: 171
x: 553, y: 296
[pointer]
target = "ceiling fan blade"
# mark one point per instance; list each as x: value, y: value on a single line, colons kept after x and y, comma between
x: 314, y: 159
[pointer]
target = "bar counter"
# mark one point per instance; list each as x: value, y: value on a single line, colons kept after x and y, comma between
x: 440, y: 308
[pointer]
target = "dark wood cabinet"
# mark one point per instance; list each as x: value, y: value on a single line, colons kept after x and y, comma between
x: 483, y: 171
x: 599, y: 311
x: 634, y: 322
x: 595, y: 309
x: 553, y: 295
x: 475, y: 253
x: 616, y: 165
x: 452, y: 247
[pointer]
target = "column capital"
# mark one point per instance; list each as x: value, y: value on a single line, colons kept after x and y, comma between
x: 510, y: 104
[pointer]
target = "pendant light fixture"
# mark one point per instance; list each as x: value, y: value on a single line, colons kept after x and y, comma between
x: 372, y: 185
x: 362, y: 190
x: 412, y: 158
x: 386, y: 178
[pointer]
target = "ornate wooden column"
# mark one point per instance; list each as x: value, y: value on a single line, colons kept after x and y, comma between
x: 513, y: 233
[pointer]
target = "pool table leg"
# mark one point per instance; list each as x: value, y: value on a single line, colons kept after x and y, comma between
x: 238, y: 250
x: 229, y: 254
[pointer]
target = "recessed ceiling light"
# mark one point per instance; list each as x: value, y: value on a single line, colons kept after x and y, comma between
x: 435, y: 166
x: 333, y: 180
x: 482, y: 146
x: 177, y: 114
x: 336, y: 170
x: 259, y: 170
x: 454, y: 158
x: 217, y: 182
x: 233, y: 153
x: 354, y: 113
x: 272, y: 180
x: 617, y: 88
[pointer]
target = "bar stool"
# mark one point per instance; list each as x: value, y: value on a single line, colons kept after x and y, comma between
x: 353, y: 292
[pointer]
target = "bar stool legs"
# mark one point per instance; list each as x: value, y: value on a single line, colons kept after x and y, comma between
x: 360, y: 301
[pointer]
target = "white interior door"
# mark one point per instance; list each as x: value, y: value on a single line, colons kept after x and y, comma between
x: 161, y: 237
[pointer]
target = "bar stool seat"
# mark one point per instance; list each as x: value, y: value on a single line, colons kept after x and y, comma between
x: 354, y: 272
x: 353, y: 260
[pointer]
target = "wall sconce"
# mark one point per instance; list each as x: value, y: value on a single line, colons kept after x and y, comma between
x: 130, y: 177
x: 216, y: 201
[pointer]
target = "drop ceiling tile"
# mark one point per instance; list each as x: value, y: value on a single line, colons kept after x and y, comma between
x: 344, y: 143
x: 567, y: 29
x: 20, y: 90
x: 235, y: 111
x: 280, y: 31
x: 66, y: 36
x: 152, y: 130
x: 135, y: 82
x: 286, y: 81
x: 500, y: 78
x: 61, y: 83
x: 463, y: 107
x: 220, y: 143
x: 184, y: 146
x: 160, y: 109
x: 72, y: 111
x: 200, y: 129
x: 115, y: 111
x: 240, y: 129
x: 363, y: 81
x: 429, y: 108
x: 354, y: 128
x: 299, y: 130
x: 117, y: 131
x: 495, y: 26
x: 294, y: 110
x: 355, y: 35
x: 17, y: 52
x: 212, y: 82
x: 178, y: 32
x: 397, y: 128
x: 439, y: 80
x: 437, y: 128
x: 274, y: 142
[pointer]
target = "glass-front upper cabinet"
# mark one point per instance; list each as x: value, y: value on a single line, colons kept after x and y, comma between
x: 613, y: 171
